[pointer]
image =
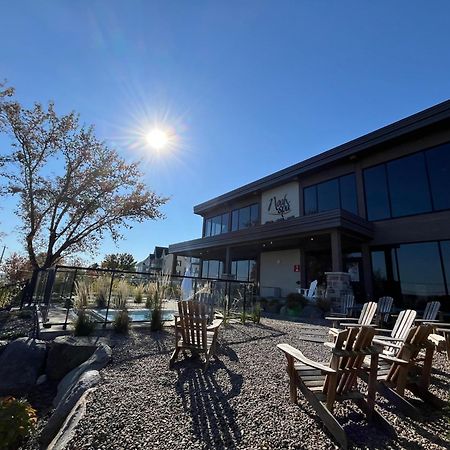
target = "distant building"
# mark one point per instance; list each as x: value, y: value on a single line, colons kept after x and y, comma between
x: 162, y: 261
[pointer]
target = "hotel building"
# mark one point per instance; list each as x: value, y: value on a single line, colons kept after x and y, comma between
x: 377, y: 207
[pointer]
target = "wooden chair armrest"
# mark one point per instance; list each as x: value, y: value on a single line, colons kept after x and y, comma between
x: 393, y: 359
x: 299, y: 356
x: 354, y: 325
x: 342, y: 319
x: 386, y: 343
x: 336, y: 316
x: 434, y: 321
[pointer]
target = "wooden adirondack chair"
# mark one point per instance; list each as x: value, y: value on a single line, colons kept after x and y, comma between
x: 398, y: 334
x: 365, y: 318
x: 343, y: 307
x: 324, y: 385
x: 400, y: 372
x: 309, y: 293
x: 384, y: 307
x: 208, y: 301
x: 430, y: 313
x: 192, y: 331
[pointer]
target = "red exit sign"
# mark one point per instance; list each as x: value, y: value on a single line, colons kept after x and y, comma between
x: 296, y: 267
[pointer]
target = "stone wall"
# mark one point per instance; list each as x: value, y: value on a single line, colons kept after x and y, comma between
x: 338, y: 285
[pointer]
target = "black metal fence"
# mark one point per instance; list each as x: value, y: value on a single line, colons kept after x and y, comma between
x: 60, y: 292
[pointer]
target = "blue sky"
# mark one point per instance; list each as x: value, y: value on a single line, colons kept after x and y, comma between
x: 250, y: 87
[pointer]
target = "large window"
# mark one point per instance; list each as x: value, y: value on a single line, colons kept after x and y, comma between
x: 216, y: 225
x: 332, y: 194
x: 212, y: 269
x: 438, y: 161
x: 244, y: 269
x: 416, y: 272
x: 414, y: 184
x: 245, y: 217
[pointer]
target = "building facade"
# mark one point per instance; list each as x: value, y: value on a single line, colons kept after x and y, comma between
x: 377, y: 207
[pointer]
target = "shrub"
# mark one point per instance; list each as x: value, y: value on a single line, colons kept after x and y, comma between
x: 101, y: 287
x: 323, y: 304
x: 156, y: 323
x: 138, y: 293
x: 121, y: 322
x: 296, y: 301
x: 256, y: 312
x: 123, y: 291
x: 17, y: 420
x: 84, y: 326
x: 83, y: 292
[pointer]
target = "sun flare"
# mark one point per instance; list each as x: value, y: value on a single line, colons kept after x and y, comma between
x: 157, y: 139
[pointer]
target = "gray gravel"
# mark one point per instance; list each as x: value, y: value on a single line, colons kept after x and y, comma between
x: 240, y: 402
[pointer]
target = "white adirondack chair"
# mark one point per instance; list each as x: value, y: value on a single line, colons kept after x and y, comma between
x: 309, y: 293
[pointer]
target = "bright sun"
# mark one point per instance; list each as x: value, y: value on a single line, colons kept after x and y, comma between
x: 157, y: 139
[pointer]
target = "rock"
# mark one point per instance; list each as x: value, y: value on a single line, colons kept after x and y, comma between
x: 41, y: 379
x: 66, y: 353
x: 97, y: 361
x: 20, y: 365
x: 87, y: 380
x: 67, y: 430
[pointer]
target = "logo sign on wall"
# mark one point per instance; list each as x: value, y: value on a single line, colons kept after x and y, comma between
x: 297, y: 268
x: 279, y: 206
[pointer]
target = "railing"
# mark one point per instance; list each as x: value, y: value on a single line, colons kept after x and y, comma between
x: 62, y: 290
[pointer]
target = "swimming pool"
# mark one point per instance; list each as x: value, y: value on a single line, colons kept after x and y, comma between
x: 135, y: 315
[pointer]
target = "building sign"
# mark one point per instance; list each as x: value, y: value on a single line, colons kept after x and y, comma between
x: 280, y: 203
x: 296, y: 267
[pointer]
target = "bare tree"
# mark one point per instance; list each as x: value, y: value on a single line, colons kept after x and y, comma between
x: 71, y: 188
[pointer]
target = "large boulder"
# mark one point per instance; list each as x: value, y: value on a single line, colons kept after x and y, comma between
x: 97, y: 361
x: 66, y: 353
x: 21, y: 363
x: 87, y: 380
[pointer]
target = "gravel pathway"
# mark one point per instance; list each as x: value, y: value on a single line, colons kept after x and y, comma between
x: 240, y: 402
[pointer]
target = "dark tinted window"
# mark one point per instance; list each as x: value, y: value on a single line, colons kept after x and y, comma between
x: 375, y: 186
x: 328, y: 195
x: 208, y: 227
x: 244, y: 218
x: 310, y: 199
x: 254, y: 214
x: 420, y: 270
x: 438, y: 160
x: 235, y: 220
x: 408, y: 186
x: 445, y: 249
x: 225, y: 218
x: 348, y: 193
x: 216, y: 225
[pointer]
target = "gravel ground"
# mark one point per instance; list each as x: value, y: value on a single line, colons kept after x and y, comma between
x: 240, y: 402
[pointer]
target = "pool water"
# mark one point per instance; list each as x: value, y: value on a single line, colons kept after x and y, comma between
x: 135, y: 315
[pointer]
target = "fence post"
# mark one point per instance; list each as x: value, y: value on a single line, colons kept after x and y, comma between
x: 195, y: 288
x: 109, y: 298
x: 69, y: 300
x: 51, y: 275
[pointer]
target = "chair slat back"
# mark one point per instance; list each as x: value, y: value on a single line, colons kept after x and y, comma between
x: 312, y: 289
x: 414, y: 342
x: 403, y: 323
x: 207, y: 300
x: 431, y: 310
x: 367, y: 313
x: 193, y: 320
x: 351, y: 347
x: 347, y: 302
x: 384, y: 308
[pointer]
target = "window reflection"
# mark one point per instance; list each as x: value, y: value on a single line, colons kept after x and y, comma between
x: 332, y: 194
x: 245, y: 217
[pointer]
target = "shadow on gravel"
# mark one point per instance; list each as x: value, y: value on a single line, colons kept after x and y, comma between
x: 254, y: 333
x: 205, y: 396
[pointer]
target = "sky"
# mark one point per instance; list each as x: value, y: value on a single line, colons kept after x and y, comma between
x: 248, y: 87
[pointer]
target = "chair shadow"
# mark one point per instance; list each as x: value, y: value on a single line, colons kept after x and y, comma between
x: 207, y: 400
x: 248, y: 335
